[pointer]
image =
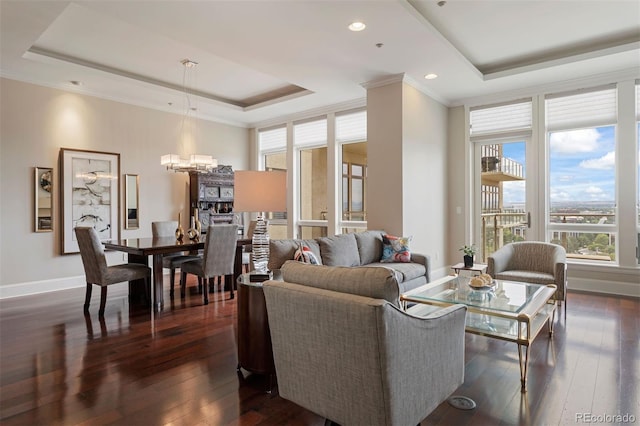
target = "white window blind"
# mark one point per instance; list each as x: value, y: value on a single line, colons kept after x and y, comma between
x: 594, y: 108
x: 351, y: 127
x: 272, y: 140
x: 503, y: 118
x: 637, y: 101
x: 310, y: 133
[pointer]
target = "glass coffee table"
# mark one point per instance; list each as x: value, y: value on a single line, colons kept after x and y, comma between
x: 506, y: 310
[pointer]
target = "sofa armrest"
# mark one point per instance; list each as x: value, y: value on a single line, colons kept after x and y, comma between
x: 423, y: 259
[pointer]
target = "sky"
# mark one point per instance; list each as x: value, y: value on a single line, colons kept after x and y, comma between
x: 582, y: 166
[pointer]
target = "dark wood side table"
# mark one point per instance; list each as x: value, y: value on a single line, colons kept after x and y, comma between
x: 476, y: 269
x: 254, y: 338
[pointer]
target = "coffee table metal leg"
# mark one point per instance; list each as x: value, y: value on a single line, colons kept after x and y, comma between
x: 524, y: 364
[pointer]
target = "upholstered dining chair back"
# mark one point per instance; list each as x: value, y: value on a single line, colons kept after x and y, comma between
x: 170, y: 261
x: 164, y: 228
x: 96, y: 269
x: 92, y: 254
x: 217, y: 260
x: 220, y: 250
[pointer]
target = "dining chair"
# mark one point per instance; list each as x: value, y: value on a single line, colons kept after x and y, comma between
x: 173, y: 260
x: 217, y: 260
x: 97, y: 272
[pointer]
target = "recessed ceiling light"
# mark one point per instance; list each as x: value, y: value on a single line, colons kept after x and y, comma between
x: 357, y: 26
x: 431, y: 76
x: 76, y: 82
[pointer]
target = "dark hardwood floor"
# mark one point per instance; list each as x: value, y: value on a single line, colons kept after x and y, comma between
x: 179, y: 366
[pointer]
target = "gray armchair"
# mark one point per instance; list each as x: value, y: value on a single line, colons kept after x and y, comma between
x: 532, y: 262
x: 359, y: 360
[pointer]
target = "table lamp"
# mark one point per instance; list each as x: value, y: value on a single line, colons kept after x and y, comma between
x: 259, y: 192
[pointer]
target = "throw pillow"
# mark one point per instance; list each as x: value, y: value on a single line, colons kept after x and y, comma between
x: 305, y: 255
x: 395, y: 249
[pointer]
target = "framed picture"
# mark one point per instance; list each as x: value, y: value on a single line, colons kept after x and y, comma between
x: 43, y: 197
x: 89, y: 182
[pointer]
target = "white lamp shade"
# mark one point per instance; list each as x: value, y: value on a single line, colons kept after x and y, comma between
x: 260, y: 191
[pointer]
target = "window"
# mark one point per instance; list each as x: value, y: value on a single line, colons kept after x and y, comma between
x: 310, y: 141
x: 273, y: 147
x: 501, y: 134
x: 351, y: 135
x: 306, y: 147
x: 581, y: 134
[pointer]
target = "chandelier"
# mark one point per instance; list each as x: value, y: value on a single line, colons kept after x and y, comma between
x: 195, y: 162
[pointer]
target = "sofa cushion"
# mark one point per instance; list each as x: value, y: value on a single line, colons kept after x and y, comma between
x: 395, y: 249
x: 404, y: 271
x: 282, y: 250
x: 339, y: 250
x: 377, y: 283
x: 369, y: 246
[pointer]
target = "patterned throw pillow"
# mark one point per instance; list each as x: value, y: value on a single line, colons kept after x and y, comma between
x: 395, y: 249
x: 305, y: 255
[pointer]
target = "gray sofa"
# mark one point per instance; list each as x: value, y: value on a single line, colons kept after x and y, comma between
x: 344, y: 349
x: 353, y: 250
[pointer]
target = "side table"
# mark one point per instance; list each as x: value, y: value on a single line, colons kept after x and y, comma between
x: 254, y: 338
x: 479, y: 268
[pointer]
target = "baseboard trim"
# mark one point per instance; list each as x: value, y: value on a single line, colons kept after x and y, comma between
x: 44, y: 286
x: 39, y: 287
x: 607, y: 287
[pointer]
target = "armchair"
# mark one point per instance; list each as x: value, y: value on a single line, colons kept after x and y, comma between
x: 359, y: 360
x: 532, y: 262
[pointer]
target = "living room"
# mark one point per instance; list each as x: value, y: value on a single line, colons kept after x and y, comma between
x: 422, y: 167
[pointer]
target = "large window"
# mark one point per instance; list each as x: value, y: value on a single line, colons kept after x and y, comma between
x: 500, y: 134
x: 310, y: 141
x: 272, y: 144
x: 351, y: 135
x: 582, y: 173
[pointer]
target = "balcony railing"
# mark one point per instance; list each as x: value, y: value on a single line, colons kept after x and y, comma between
x: 502, y: 165
x: 495, y: 223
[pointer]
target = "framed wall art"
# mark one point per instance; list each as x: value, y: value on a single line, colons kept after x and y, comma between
x: 43, y: 199
x: 89, y: 188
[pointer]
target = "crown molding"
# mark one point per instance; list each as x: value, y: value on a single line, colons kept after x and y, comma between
x: 311, y: 113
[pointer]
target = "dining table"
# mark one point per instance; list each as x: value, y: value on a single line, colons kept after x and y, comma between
x: 139, y: 249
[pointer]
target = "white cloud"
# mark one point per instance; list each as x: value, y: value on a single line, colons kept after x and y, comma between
x: 559, y: 195
x: 608, y: 161
x: 593, y: 190
x: 574, y: 141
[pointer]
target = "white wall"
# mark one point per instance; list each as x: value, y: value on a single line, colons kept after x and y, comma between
x: 384, y: 151
x: 35, y: 122
x: 424, y: 180
x: 457, y: 173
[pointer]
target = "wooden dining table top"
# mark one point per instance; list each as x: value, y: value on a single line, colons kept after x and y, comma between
x: 160, y: 245
x: 154, y: 245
